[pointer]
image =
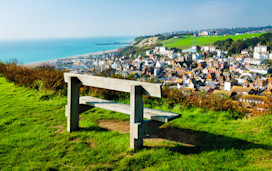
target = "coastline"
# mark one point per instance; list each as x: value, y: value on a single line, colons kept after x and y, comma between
x: 44, y: 63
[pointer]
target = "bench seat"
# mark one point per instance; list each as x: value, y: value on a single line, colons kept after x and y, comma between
x: 151, y: 114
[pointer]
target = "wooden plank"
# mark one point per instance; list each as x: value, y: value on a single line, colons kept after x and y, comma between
x: 152, y: 114
x: 72, y: 108
x: 150, y: 89
x: 136, y: 116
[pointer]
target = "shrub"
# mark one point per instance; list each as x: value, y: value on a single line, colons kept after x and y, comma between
x: 46, y: 76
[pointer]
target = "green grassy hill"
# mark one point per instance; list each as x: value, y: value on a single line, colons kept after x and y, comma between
x: 186, y: 42
x: 33, y: 136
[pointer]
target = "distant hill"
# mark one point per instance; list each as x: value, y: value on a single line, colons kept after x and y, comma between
x: 222, y: 31
x: 242, y: 30
x: 187, y: 41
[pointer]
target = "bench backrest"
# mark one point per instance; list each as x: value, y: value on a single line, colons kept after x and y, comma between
x: 150, y: 89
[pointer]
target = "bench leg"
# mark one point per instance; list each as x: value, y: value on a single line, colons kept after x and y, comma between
x: 72, y: 109
x: 136, y: 116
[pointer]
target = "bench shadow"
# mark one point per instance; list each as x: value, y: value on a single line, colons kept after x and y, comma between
x: 92, y: 128
x: 187, y: 141
x: 194, y: 142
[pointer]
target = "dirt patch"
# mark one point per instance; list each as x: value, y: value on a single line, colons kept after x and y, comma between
x: 119, y: 126
x: 76, y: 140
x: 184, y: 136
x: 59, y: 129
x: 90, y: 143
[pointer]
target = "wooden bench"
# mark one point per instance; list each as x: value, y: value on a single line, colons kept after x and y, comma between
x: 138, y: 126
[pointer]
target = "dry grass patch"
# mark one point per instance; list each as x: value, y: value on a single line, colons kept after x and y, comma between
x: 113, y: 125
x: 91, y: 143
x: 59, y: 129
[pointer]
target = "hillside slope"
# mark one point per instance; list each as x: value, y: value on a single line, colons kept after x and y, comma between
x: 33, y: 136
x: 187, y: 41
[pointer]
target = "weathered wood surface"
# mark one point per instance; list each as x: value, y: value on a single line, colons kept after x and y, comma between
x: 150, y: 89
x: 136, y: 116
x: 72, y: 108
x: 141, y: 129
x: 152, y: 114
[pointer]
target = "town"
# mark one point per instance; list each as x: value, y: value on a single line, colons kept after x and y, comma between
x: 244, y: 76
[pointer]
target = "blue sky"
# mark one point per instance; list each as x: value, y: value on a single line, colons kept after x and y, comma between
x: 26, y: 19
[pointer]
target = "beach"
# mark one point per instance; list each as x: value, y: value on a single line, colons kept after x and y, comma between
x: 44, y: 63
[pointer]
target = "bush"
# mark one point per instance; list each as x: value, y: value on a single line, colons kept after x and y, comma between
x: 46, y: 77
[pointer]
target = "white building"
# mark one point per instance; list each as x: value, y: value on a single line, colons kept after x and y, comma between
x: 156, y: 71
x: 260, y: 56
x: 205, y: 48
x: 148, y: 52
x: 208, y: 48
x: 149, y: 63
x: 260, y: 52
x: 196, y: 56
x: 240, y: 81
x: 227, y: 86
x: 158, y: 64
x: 114, y: 66
x: 259, y: 69
x: 244, y: 52
x: 160, y: 50
x: 253, y: 61
x: 260, y: 49
x: 203, y: 33
x: 270, y: 56
x: 193, y: 49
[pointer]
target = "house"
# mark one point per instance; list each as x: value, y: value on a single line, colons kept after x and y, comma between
x: 262, y: 82
x: 201, y: 64
x: 253, y: 99
x: 222, y: 93
x: 244, y: 52
x: 203, y: 33
x: 148, y: 52
x: 205, y: 48
x: 193, y: 49
x: 259, y: 69
x: 160, y: 50
x: 253, y: 61
x: 196, y: 56
x: 208, y: 48
x: 229, y: 84
x: 187, y: 91
x: 211, y: 75
x: 242, y: 90
x: 260, y: 52
x: 266, y: 93
x: 206, y: 89
x: 176, y: 65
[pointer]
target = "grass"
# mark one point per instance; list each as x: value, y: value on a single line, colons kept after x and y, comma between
x: 33, y: 136
x: 186, y: 42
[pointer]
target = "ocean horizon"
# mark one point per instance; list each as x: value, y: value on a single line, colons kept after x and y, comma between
x: 39, y: 50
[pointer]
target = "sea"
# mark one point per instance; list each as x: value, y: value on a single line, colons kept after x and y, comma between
x: 38, y: 50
